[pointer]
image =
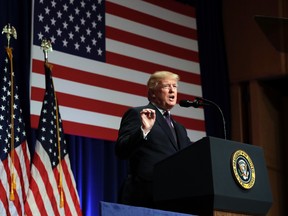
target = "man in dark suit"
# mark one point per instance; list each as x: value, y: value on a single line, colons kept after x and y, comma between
x: 146, y: 136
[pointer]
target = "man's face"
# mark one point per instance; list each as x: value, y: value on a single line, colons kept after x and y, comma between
x: 166, y: 93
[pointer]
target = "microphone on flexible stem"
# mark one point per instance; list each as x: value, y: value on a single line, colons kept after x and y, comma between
x: 196, y: 103
x: 200, y: 102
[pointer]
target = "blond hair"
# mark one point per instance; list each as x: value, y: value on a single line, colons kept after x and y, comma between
x: 156, y: 77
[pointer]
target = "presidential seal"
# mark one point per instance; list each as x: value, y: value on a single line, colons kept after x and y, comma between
x: 243, y: 169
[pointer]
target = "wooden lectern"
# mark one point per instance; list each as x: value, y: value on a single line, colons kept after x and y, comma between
x: 214, y: 176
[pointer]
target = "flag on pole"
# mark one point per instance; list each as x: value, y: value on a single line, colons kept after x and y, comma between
x: 104, y: 53
x: 52, y: 186
x: 14, y: 152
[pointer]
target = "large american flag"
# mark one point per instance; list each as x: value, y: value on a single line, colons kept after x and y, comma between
x: 104, y: 53
x: 52, y: 188
x: 14, y: 152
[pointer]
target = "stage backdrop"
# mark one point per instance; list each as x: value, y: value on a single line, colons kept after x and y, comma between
x: 103, y: 55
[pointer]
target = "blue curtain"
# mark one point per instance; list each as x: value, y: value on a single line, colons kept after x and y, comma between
x: 214, y: 73
x: 97, y: 172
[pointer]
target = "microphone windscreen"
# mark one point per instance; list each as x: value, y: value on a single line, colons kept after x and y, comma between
x: 184, y: 103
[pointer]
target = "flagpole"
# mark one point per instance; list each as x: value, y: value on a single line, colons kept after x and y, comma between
x: 11, y: 31
x: 47, y: 47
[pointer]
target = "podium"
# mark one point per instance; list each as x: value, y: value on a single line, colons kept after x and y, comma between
x: 209, y: 176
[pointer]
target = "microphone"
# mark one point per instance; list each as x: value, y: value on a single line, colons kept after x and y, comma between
x: 198, y: 102
x: 187, y: 103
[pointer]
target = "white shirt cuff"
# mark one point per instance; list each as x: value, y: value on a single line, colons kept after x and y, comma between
x: 144, y: 134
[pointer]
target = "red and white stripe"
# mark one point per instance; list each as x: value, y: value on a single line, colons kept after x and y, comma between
x: 141, y: 37
x: 43, y: 196
x: 21, y: 167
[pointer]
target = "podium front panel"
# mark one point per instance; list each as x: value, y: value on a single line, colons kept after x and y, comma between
x: 200, y: 179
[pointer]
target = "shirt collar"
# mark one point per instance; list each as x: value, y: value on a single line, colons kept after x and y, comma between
x: 162, y: 111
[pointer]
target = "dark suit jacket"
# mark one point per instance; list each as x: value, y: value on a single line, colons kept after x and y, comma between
x: 143, y: 154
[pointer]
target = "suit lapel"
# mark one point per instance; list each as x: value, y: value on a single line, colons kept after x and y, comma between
x: 177, y: 130
x: 163, y: 124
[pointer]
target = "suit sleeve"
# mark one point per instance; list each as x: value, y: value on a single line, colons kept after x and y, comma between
x: 130, y: 135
